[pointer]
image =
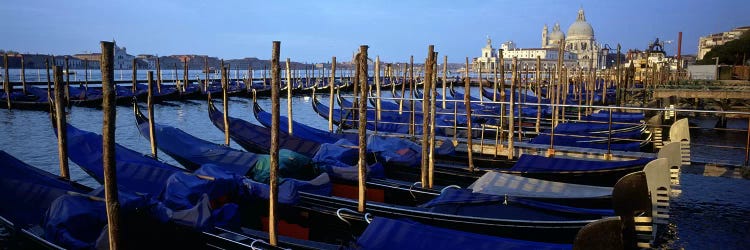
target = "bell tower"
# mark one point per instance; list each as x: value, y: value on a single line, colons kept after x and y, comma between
x: 544, y: 36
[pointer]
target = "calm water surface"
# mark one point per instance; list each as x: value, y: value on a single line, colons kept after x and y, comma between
x: 710, y: 213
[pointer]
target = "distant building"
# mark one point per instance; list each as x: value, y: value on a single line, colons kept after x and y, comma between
x: 706, y: 43
x: 489, y: 57
x: 122, y: 59
x: 580, y: 40
x: 581, y: 49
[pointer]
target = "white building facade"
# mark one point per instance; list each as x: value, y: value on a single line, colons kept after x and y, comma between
x: 581, y: 49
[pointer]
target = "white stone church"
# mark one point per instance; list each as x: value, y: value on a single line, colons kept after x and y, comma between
x: 581, y: 48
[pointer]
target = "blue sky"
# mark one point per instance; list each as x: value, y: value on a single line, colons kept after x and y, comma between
x: 313, y: 31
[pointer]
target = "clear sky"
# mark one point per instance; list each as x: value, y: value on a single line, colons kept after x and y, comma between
x: 313, y: 31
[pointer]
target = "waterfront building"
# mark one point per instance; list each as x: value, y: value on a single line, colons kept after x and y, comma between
x: 580, y: 40
x: 123, y: 60
x: 581, y: 49
x: 489, y: 57
x: 706, y: 43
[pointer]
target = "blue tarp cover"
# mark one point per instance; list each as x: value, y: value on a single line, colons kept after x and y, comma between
x: 384, y: 233
x: 135, y: 172
x: 574, y: 141
x: 182, y: 145
x: 26, y: 192
x: 467, y: 203
x: 536, y: 163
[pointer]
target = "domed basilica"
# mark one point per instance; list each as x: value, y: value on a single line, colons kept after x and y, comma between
x: 580, y: 40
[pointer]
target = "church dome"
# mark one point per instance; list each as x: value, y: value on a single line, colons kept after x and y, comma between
x: 580, y: 28
x: 556, y: 35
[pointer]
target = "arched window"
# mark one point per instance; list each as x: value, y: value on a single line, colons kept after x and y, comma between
x: 583, y: 46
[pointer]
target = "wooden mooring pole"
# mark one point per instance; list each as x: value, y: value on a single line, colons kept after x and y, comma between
x: 150, y: 105
x: 135, y: 76
x: 467, y: 101
x: 158, y: 75
x: 61, y: 124
x: 332, y: 85
x: 361, y: 128
x: 86, y: 75
x: 225, y: 102
x: 425, y: 117
x: 445, y: 77
x: 412, y: 88
x: 538, y: 80
x: 377, y: 88
x: 511, y: 127
x: 67, y: 81
x: 274, y: 150
x: 206, y: 71
x: 431, y: 157
x: 23, y: 76
x: 6, y: 81
x: 289, y: 87
x: 108, y: 142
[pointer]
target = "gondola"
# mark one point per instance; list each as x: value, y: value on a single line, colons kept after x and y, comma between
x: 176, y: 188
x: 511, y: 220
x: 133, y: 173
x: 580, y: 173
x: 46, y: 211
x: 34, y: 99
x: 580, y: 197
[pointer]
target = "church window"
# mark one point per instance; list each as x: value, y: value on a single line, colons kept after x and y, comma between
x: 583, y: 46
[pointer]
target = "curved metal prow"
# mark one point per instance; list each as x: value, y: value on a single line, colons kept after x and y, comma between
x: 600, y: 234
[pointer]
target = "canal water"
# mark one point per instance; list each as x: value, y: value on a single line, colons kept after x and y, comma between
x: 710, y: 212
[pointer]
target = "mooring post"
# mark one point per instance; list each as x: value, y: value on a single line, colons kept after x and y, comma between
x: 61, y: 124
x: 330, y: 96
x: 86, y: 76
x: 494, y: 85
x: 206, y: 71
x: 249, y: 78
x: 185, y: 79
x: 511, y: 121
x: 135, y: 76
x: 6, y: 81
x: 377, y: 88
x: 49, y: 86
x: 425, y: 116
x: 67, y: 81
x: 445, y: 77
x: 403, y: 91
x: 274, y: 150
x: 108, y: 140
x: 289, y: 96
x: 618, y: 85
x: 412, y: 88
x: 176, y: 78
x: 23, y: 76
x: 225, y: 102
x: 469, y: 132
x: 501, y: 60
x: 538, y: 79
x: 433, y: 89
x: 361, y: 129
x: 481, y: 84
x: 158, y: 75
x: 150, y: 107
